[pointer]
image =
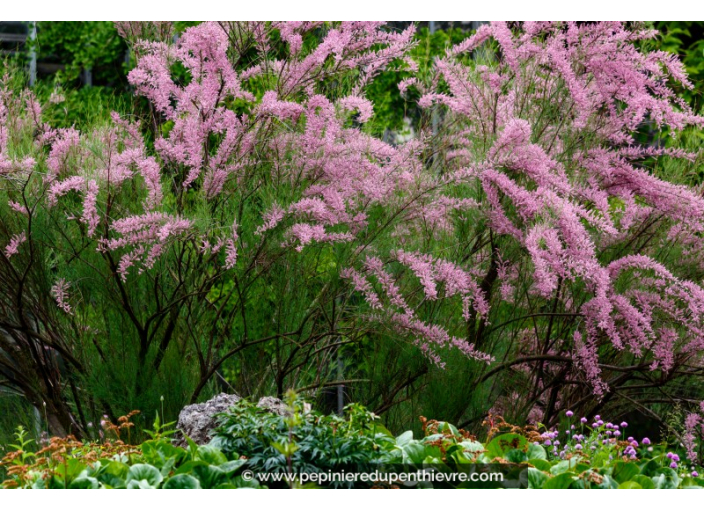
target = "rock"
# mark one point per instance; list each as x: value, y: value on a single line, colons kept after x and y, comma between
x: 273, y: 405
x: 278, y: 406
x: 197, y: 421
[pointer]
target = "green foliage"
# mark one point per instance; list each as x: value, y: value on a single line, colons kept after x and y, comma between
x: 390, y: 108
x: 80, y: 45
x: 252, y: 440
x: 155, y: 464
x: 684, y: 38
x: 306, y: 442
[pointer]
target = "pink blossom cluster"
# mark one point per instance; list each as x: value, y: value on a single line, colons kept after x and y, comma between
x: 565, y: 202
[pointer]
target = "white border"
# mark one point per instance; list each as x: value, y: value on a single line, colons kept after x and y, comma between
x: 279, y: 500
x: 64, y: 10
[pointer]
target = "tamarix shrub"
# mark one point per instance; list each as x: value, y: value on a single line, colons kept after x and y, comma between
x: 245, y: 226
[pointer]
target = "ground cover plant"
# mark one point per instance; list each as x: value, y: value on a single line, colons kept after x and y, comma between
x: 258, y: 214
x: 251, y: 440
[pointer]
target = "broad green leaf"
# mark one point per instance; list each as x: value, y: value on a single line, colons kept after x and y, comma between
x: 182, y: 482
x: 84, y: 482
x: 232, y: 466
x: 666, y: 478
x: 624, y: 471
x: 540, y: 464
x: 144, y: 472
x: 211, y: 455
x: 536, y: 478
x: 536, y: 451
x: 563, y: 466
x: 504, y: 443
x: 139, y: 484
x: 561, y: 481
x: 404, y: 438
x: 209, y: 476
x: 644, y: 481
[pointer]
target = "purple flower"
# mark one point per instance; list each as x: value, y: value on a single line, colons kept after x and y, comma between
x: 676, y: 457
x: 547, y: 442
x: 673, y: 465
x: 617, y: 433
x: 569, y: 414
x: 600, y: 422
x: 624, y: 424
x: 578, y: 446
x: 645, y: 440
x: 597, y: 418
x: 695, y: 474
x: 583, y: 420
x: 670, y: 455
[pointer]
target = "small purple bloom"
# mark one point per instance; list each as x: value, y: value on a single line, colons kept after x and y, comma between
x: 583, y: 420
x: 569, y: 414
x: 673, y: 465
x: 670, y: 455
x: 624, y: 424
x: 597, y: 417
x: 578, y: 446
x: 645, y: 440
x: 695, y: 474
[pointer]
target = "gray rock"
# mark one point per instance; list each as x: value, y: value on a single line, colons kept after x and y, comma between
x: 197, y: 421
x: 273, y: 405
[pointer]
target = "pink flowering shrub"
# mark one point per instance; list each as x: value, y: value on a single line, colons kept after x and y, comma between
x: 548, y: 137
x: 248, y: 222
